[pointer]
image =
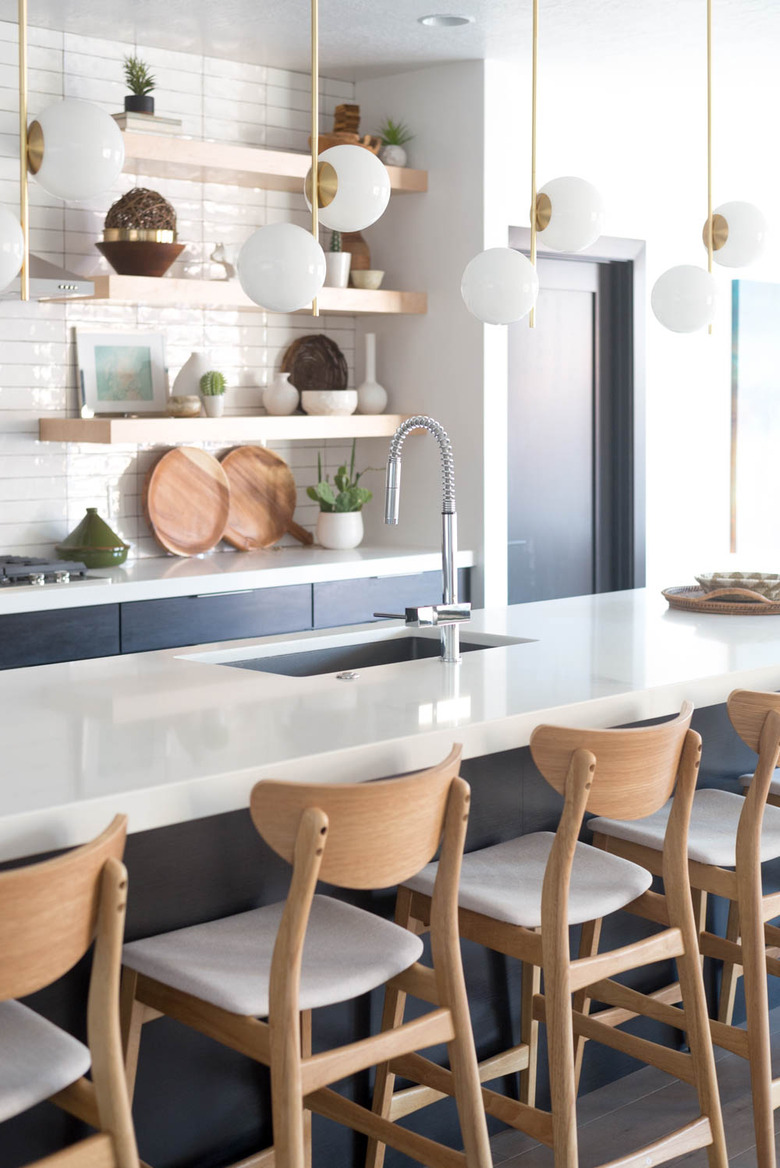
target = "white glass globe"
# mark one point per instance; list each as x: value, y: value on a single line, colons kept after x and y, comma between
x: 83, y: 150
x: 281, y: 267
x: 500, y: 285
x: 362, y: 192
x: 577, y: 214
x: 684, y: 299
x: 11, y: 247
x: 746, y: 234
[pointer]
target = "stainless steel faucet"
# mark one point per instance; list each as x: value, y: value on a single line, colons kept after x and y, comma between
x: 450, y: 614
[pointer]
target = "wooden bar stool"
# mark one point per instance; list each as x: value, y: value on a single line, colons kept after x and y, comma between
x: 730, y: 837
x: 519, y: 898
x: 50, y: 913
x: 224, y: 976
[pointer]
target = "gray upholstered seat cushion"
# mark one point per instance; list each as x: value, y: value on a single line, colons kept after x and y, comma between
x: 712, y: 836
x: 774, y: 786
x: 505, y: 882
x: 228, y: 962
x: 37, y: 1059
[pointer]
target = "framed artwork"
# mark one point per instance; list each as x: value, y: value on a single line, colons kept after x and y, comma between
x: 121, y: 373
x: 755, y: 409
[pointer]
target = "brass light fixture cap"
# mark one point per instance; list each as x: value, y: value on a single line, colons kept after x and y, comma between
x: 138, y: 235
x: 327, y: 184
x: 720, y: 232
x: 34, y: 147
x: 543, y: 211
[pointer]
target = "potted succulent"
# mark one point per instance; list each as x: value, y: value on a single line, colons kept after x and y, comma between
x: 140, y: 83
x: 339, y: 523
x: 394, y: 137
x: 337, y: 262
x: 212, y: 393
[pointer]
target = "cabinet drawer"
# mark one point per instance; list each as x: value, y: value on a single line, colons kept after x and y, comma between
x: 196, y: 620
x: 66, y: 634
x: 353, y: 602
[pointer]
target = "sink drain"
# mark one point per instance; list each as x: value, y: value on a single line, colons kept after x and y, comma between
x: 347, y: 675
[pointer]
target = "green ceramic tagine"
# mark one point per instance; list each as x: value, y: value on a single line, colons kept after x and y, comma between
x: 93, y: 543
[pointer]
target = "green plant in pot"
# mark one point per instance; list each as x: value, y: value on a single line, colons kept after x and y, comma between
x: 140, y: 82
x: 340, y: 522
x: 212, y: 393
x: 394, y: 137
x: 337, y: 263
x: 93, y: 543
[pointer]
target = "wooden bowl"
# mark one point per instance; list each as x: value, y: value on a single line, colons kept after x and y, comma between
x: 136, y: 257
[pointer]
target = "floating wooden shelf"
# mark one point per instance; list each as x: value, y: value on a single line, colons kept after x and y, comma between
x: 169, y: 292
x: 237, y: 428
x: 160, y: 156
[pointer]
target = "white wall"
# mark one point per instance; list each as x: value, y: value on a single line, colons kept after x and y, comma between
x: 44, y: 487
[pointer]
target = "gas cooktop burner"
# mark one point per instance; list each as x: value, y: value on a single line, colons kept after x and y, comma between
x: 27, y: 570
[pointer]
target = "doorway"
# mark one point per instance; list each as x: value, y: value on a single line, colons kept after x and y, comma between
x: 576, y: 427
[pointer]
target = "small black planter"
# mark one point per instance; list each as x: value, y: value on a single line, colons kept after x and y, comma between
x: 139, y: 103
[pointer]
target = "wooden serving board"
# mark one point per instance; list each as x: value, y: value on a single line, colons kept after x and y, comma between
x: 187, y: 500
x: 262, y: 499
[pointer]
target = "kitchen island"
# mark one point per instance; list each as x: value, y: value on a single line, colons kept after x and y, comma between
x: 177, y: 738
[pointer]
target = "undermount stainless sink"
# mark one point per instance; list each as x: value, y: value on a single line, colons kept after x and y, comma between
x: 346, y: 653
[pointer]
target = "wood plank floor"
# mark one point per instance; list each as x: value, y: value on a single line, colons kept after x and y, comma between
x: 645, y: 1105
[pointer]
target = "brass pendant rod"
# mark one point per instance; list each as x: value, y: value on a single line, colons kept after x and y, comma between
x: 315, y: 127
x: 24, y: 211
x: 709, y: 136
x: 534, y: 82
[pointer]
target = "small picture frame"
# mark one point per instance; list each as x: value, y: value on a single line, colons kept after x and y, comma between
x: 121, y: 373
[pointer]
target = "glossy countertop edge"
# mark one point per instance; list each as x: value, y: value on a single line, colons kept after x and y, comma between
x: 161, y: 577
x: 595, y: 661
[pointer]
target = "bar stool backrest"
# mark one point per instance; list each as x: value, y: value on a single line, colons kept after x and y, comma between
x: 748, y: 711
x: 379, y: 834
x: 48, y: 913
x: 635, y: 769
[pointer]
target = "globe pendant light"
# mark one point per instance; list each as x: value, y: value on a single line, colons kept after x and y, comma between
x: 500, y: 285
x: 75, y: 150
x: 684, y: 299
x: 282, y: 267
x: 569, y: 214
x: 11, y: 248
x: 738, y: 234
x: 353, y: 188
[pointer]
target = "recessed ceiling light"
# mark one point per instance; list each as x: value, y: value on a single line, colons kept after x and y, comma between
x: 444, y: 20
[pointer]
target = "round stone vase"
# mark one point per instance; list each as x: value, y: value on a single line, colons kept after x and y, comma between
x: 339, y: 530
x: 281, y: 398
x: 187, y: 380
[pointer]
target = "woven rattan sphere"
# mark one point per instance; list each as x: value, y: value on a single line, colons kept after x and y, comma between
x: 142, y: 209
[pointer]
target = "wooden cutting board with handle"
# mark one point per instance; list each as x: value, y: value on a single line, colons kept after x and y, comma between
x: 262, y: 499
x: 187, y: 500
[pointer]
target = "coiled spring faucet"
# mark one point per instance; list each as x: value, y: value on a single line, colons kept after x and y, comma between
x: 450, y: 614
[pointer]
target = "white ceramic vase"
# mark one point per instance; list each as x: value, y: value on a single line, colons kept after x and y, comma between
x: 337, y: 265
x: 187, y: 380
x: 281, y: 398
x: 372, y: 397
x: 339, y: 530
x: 393, y: 156
x: 213, y: 404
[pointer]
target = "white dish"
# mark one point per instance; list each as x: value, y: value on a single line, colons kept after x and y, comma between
x: 329, y: 401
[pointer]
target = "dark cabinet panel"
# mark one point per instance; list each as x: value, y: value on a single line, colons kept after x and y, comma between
x: 353, y: 602
x: 64, y: 634
x: 196, y: 620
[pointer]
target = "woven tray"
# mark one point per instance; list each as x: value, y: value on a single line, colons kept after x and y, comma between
x: 315, y: 362
x: 727, y: 601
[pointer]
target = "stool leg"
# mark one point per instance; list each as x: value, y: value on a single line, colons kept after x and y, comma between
x: 589, y: 946
x: 287, y: 1113
x: 306, y: 1053
x: 757, y: 1009
x: 731, y: 972
x: 699, y: 898
x: 529, y: 1031
x: 131, y: 1013
x: 560, y: 1045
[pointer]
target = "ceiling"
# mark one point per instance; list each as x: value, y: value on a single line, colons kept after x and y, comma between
x: 360, y: 38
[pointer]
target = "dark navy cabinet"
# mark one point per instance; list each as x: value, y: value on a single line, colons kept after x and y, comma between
x: 60, y: 634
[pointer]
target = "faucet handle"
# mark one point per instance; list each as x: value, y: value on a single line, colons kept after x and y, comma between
x: 390, y: 615
x: 431, y: 615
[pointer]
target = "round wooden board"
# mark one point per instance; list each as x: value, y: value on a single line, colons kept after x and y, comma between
x: 187, y: 500
x: 262, y: 497
x: 693, y: 599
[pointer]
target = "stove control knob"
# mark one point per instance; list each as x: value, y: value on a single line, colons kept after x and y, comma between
x: 37, y: 578
x: 62, y: 577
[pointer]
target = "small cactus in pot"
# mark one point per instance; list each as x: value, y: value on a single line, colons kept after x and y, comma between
x: 212, y: 392
x: 337, y: 263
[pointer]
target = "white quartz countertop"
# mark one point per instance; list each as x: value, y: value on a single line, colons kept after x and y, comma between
x: 166, y: 576
x: 168, y: 736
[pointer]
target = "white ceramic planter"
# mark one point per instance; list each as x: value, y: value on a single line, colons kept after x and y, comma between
x: 281, y: 398
x: 337, y: 268
x: 213, y: 404
x: 393, y: 156
x: 339, y: 530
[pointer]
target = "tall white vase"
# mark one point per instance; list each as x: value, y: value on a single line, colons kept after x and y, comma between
x: 187, y: 380
x: 372, y: 397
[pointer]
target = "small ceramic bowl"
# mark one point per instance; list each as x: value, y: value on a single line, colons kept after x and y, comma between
x: 369, y: 280
x: 329, y: 401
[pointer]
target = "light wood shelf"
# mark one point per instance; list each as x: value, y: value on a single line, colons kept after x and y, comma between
x: 166, y: 292
x: 236, y: 428
x: 161, y: 156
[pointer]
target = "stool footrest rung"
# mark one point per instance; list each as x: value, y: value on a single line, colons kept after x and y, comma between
x: 686, y: 1139
x: 410, y: 1099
